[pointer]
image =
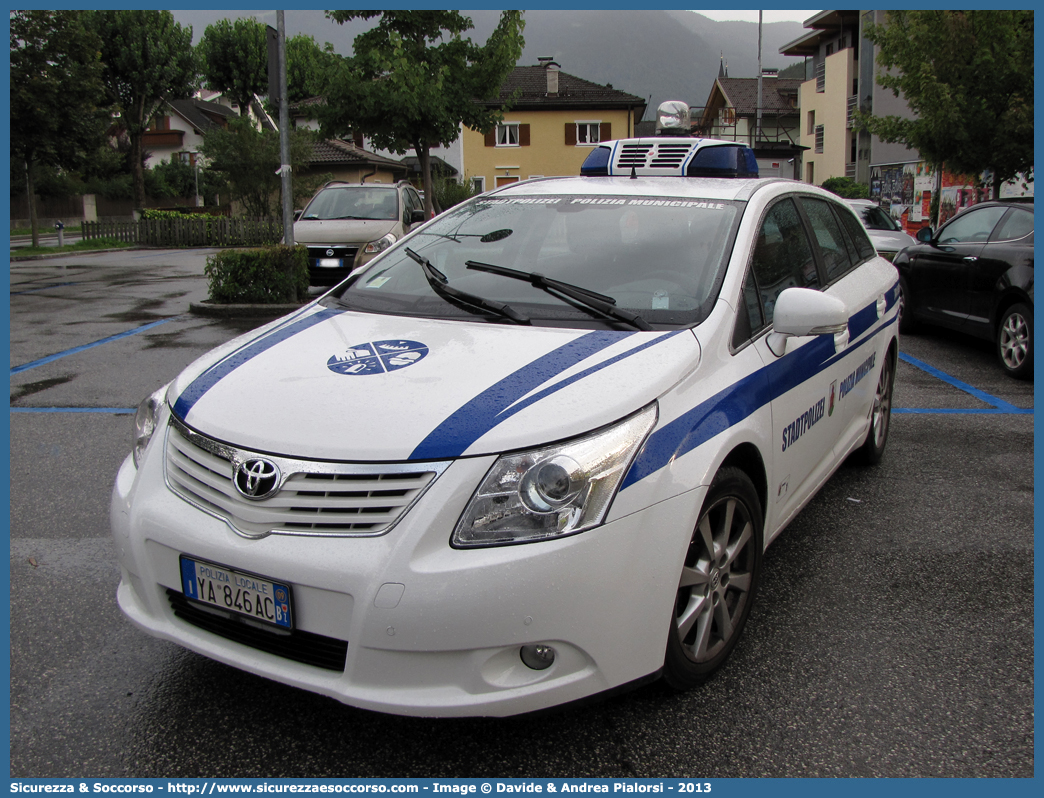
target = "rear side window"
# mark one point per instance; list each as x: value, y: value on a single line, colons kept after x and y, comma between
x: 857, y: 234
x: 1018, y: 225
x: 782, y: 255
x: 827, y: 232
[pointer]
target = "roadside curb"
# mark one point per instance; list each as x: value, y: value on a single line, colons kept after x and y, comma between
x: 233, y: 311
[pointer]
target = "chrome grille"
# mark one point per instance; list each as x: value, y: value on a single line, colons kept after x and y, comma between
x: 315, y: 498
x: 345, y: 253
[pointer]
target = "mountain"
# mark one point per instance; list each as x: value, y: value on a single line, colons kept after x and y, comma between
x: 657, y: 55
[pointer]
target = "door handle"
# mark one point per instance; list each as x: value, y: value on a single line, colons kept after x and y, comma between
x: 970, y: 258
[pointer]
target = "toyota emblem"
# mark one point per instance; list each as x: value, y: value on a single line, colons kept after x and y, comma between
x: 256, y: 478
x: 329, y: 253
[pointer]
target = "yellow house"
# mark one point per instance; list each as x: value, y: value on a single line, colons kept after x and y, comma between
x: 550, y: 129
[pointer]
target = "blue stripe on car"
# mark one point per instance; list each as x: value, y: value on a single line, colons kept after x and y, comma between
x: 585, y: 373
x: 209, y: 378
x: 473, y: 420
x: 743, y: 398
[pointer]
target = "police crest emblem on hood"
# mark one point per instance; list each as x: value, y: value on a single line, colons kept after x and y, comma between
x: 377, y: 357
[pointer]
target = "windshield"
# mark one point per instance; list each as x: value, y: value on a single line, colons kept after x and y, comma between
x: 353, y: 202
x: 876, y: 219
x: 659, y: 258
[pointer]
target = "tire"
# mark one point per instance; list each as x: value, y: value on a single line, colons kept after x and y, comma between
x: 873, y: 447
x: 718, y: 581
x: 906, y: 319
x: 1015, y: 341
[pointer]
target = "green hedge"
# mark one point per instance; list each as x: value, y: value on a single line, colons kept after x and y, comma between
x: 156, y: 213
x: 847, y: 188
x: 275, y: 274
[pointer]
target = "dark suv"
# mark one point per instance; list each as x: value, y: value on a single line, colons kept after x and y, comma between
x: 976, y: 275
x: 347, y: 224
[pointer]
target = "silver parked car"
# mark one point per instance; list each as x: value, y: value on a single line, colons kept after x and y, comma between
x: 348, y: 224
x: 885, y: 233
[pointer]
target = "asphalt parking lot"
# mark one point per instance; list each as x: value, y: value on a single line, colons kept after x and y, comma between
x: 892, y: 636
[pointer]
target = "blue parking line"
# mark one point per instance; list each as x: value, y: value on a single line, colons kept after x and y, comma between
x: 998, y: 406
x: 51, y: 358
x: 113, y: 411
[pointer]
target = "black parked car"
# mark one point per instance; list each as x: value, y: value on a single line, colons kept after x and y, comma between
x: 976, y: 275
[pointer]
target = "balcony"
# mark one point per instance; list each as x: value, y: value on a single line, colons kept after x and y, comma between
x: 726, y: 124
x: 853, y: 108
x: 162, y: 138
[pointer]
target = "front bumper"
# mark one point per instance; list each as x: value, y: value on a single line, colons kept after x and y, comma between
x: 430, y: 630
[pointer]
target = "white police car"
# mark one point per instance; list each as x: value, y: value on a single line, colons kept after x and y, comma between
x: 531, y: 453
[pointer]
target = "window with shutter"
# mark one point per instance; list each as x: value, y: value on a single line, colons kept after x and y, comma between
x: 507, y: 134
x: 587, y: 133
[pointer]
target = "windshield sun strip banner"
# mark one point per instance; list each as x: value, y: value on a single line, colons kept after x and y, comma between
x: 732, y: 405
x: 209, y: 378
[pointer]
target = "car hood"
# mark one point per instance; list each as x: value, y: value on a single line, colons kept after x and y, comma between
x: 334, y: 384
x: 890, y: 240
x: 341, y: 231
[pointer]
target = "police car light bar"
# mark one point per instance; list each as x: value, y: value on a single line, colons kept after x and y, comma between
x: 671, y: 157
x: 672, y: 152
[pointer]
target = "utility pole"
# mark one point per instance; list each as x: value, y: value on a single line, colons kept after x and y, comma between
x: 284, y: 137
x: 757, y: 128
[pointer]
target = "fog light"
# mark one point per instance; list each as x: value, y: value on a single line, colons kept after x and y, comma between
x: 538, y: 657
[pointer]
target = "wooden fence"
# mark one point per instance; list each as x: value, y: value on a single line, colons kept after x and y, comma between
x: 210, y: 231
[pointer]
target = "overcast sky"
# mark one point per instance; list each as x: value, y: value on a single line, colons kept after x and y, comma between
x: 774, y: 15
x: 199, y: 19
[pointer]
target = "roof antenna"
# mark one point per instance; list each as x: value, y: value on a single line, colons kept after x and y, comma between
x: 634, y: 174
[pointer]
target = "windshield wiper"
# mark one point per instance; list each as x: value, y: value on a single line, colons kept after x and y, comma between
x: 600, y: 303
x: 440, y: 285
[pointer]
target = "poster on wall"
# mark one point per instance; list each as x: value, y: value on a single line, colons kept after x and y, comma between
x: 924, y: 184
x: 906, y: 190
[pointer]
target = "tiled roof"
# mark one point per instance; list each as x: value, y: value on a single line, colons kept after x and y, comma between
x: 572, y: 92
x: 336, y: 151
x: 742, y: 94
x: 203, y: 115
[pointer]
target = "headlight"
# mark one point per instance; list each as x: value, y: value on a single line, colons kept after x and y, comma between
x: 380, y: 244
x: 145, y: 423
x: 553, y: 491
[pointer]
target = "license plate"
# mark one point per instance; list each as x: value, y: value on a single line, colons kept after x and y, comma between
x: 330, y: 263
x: 238, y: 592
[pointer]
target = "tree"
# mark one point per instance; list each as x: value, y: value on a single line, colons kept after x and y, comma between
x: 234, y: 60
x: 309, y: 67
x: 968, y: 78
x: 177, y: 178
x: 413, y: 80
x: 248, y: 158
x: 57, y: 111
x: 148, y: 60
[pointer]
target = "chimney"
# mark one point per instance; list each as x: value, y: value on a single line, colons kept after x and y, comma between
x: 551, y: 68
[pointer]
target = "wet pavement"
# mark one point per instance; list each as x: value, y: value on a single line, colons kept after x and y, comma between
x: 892, y: 635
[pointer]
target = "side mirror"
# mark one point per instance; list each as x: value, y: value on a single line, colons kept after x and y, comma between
x: 297, y: 214
x: 417, y: 216
x: 924, y: 235
x: 804, y: 311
